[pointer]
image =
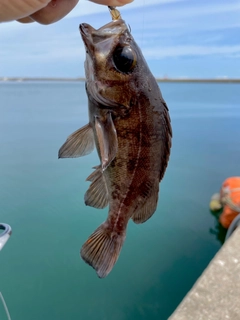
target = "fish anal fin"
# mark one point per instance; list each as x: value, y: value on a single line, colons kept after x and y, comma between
x: 107, y: 139
x: 102, y: 249
x: 145, y: 212
x: 97, y: 193
x: 78, y: 144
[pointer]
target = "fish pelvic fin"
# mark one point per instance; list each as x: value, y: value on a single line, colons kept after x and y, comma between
x: 95, y: 174
x: 102, y: 249
x: 145, y: 212
x: 97, y: 194
x: 78, y: 144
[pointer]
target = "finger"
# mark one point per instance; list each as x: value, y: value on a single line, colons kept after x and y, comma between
x: 54, y: 11
x: 113, y: 3
x: 17, y: 9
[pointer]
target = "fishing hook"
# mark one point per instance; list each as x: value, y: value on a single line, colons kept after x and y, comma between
x: 114, y: 13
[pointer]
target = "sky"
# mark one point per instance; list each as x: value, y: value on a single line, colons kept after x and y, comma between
x: 179, y: 38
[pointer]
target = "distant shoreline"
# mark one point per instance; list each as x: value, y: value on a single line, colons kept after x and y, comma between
x: 200, y: 80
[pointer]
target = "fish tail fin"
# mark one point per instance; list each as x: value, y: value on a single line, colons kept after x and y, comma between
x: 102, y: 249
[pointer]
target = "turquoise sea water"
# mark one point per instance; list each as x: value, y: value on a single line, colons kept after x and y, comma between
x: 41, y: 197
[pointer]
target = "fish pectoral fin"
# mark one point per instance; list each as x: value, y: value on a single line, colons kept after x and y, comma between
x: 107, y: 139
x: 97, y: 193
x: 102, y: 249
x: 78, y: 144
x: 145, y: 212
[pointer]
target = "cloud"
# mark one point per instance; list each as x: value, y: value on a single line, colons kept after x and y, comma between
x: 181, y: 51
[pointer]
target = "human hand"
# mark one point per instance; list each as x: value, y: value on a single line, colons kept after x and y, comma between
x: 43, y: 11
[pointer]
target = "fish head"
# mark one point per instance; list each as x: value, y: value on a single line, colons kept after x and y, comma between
x: 114, y: 64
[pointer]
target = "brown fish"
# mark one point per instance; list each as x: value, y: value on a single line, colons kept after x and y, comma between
x: 130, y: 126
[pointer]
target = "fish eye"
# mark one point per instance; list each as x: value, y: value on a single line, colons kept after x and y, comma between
x: 124, y: 59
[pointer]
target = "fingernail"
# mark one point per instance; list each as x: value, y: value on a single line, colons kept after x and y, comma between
x: 122, y: 2
x: 113, y: 3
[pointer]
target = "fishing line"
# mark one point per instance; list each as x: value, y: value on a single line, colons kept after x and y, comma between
x: 143, y: 22
x: 5, y: 306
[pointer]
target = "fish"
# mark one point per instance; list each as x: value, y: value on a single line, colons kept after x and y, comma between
x: 130, y: 126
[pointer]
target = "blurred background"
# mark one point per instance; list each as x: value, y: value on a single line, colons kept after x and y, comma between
x: 41, y: 273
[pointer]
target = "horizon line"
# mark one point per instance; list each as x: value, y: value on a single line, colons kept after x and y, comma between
x: 158, y: 79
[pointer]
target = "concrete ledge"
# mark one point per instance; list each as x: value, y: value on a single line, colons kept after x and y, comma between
x: 216, y: 294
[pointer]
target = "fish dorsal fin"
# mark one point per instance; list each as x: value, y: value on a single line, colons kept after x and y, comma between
x: 97, y: 193
x: 145, y: 212
x: 78, y: 144
x: 107, y: 139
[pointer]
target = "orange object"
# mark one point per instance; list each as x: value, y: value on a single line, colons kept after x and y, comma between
x: 230, y: 198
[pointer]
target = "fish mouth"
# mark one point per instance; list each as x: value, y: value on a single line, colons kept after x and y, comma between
x: 85, y: 29
x: 92, y: 37
x: 86, y: 32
